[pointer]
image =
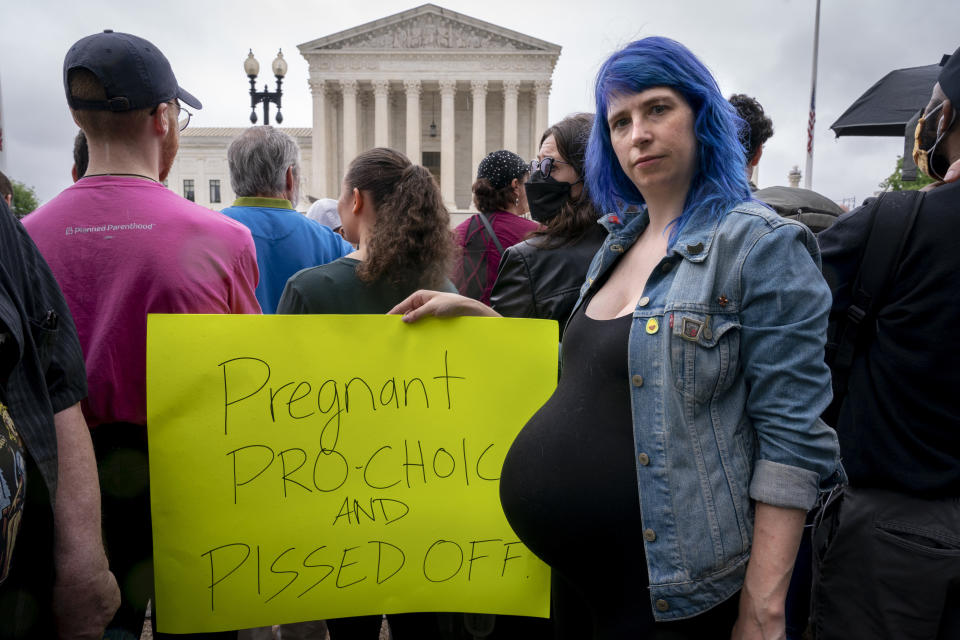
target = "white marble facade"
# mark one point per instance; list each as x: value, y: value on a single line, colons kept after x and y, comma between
x: 385, y: 83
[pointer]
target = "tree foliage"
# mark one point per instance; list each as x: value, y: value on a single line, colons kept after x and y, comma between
x: 24, y: 199
x: 895, y: 181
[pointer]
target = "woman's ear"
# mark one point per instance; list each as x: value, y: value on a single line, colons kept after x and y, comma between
x: 357, y: 201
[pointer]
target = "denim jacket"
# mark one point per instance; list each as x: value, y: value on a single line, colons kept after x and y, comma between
x: 727, y: 382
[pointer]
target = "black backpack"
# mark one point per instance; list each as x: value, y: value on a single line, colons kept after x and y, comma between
x: 851, y: 330
x: 471, y: 274
x: 815, y: 211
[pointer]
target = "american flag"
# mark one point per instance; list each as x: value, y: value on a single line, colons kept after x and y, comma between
x: 812, y: 120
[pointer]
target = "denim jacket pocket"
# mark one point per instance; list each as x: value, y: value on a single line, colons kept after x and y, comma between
x: 704, y: 353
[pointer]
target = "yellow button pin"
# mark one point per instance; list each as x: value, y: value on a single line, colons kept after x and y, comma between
x: 652, y: 326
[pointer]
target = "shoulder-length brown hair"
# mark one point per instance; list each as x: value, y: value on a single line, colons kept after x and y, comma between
x: 578, y: 214
x: 411, y: 239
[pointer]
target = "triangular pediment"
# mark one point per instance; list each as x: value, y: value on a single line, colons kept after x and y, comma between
x: 429, y: 27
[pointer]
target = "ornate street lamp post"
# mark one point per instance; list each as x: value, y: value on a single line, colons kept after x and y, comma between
x: 252, y: 68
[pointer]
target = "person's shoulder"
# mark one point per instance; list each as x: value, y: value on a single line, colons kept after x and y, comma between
x: 751, y: 222
x: 180, y: 211
x: 944, y: 195
x: 519, y: 222
x: 462, y: 227
x: 60, y: 204
x: 329, y: 274
x: 314, y: 228
x: 752, y: 218
x: 525, y: 248
x: 755, y: 212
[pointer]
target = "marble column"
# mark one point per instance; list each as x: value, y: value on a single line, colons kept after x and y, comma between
x: 318, y: 166
x: 510, y: 90
x: 334, y: 105
x: 478, y: 88
x: 381, y: 113
x: 542, y: 89
x: 349, y: 88
x: 448, y: 89
x: 413, y: 88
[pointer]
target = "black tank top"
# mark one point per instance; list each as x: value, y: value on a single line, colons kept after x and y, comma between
x: 569, y: 481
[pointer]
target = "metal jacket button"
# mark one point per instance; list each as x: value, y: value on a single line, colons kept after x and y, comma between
x: 694, y: 249
x: 643, y: 459
x: 667, y: 266
x: 649, y: 535
x: 637, y: 381
x: 617, y: 248
x: 662, y: 605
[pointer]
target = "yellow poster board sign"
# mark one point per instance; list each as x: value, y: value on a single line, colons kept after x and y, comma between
x: 310, y: 467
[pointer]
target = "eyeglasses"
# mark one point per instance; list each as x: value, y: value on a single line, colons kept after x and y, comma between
x: 183, y: 116
x: 545, y: 166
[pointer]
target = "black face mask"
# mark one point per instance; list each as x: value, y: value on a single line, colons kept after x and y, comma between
x: 545, y: 196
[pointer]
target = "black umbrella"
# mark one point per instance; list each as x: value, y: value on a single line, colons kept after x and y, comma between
x: 887, y: 107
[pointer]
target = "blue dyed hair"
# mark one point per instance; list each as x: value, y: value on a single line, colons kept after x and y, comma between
x: 719, y: 182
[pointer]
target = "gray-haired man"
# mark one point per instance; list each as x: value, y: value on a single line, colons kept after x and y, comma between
x: 265, y: 175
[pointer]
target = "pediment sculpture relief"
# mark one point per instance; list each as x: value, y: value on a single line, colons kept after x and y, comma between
x: 430, y: 32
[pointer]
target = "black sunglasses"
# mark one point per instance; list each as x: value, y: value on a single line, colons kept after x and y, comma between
x: 545, y: 166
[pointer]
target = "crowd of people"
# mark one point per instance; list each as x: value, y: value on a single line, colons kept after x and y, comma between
x: 747, y: 414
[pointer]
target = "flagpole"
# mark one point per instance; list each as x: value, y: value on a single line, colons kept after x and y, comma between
x: 808, y: 174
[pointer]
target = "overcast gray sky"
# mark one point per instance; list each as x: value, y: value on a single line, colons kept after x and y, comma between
x: 759, y: 47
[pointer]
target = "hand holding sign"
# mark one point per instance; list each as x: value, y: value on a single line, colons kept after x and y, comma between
x: 305, y: 467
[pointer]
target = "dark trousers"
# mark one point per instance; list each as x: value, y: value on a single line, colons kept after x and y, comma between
x: 442, y: 626
x: 121, y: 451
x: 887, y: 565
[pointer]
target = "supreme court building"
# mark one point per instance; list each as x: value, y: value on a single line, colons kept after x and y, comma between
x: 444, y: 88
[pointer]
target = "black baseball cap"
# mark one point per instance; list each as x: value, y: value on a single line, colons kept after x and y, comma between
x: 950, y: 79
x: 133, y: 71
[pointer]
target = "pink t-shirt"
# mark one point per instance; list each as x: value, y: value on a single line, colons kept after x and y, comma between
x: 121, y: 248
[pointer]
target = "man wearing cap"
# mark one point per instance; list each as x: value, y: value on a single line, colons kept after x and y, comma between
x: 888, y: 552
x: 121, y: 246
x: 265, y: 175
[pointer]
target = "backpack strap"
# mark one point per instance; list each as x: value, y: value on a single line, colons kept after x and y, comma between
x: 892, y: 223
x: 489, y: 228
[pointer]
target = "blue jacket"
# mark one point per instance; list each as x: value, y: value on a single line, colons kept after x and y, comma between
x: 286, y: 241
x: 727, y: 384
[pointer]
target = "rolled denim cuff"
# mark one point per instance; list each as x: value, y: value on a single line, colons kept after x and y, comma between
x: 783, y: 485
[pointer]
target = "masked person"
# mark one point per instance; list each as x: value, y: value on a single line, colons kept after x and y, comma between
x: 887, y: 552
x: 541, y: 276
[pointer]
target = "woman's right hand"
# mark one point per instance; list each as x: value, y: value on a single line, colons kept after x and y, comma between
x: 440, y: 304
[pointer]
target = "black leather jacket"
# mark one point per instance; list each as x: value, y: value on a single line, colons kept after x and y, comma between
x: 537, y: 282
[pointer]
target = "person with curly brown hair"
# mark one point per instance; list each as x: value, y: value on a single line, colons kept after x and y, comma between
x: 501, y: 201
x: 758, y: 129
x: 394, y: 211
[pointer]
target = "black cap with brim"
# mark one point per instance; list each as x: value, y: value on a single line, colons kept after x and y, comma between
x: 134, y: 73
x: 950, y: 79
